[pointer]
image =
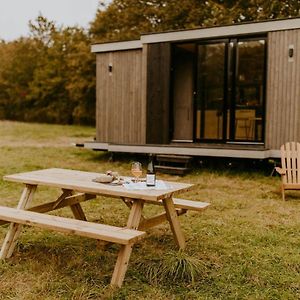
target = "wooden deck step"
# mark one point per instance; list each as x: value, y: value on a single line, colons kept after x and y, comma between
x: 103, y: 232
x: 173, y: 164
x: 171, y: 170
x: 173, y: 158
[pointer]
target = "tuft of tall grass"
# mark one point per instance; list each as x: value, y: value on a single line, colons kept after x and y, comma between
x: 174, y: 266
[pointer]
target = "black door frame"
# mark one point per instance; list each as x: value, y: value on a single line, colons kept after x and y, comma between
x: 230, y: 80
x: 225, y: 93
x: 230, y: 88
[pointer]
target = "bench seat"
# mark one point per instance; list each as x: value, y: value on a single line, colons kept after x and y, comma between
x: 123, y: 236
x: 181, y: 206
x: 190, y: 204
x: 184, y: 204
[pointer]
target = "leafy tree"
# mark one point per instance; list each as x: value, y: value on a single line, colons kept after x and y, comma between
x: 17, y: 66
x: 127, y: 19
x: 256, y: 10
x: 48, y: 77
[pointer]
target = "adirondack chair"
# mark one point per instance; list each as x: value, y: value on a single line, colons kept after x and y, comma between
x: 290, y: 167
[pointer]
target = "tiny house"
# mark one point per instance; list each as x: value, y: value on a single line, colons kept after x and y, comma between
x: 228, y: 91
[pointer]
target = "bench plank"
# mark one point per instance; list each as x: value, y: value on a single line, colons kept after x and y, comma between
x: 108, y: 233
x: 185, y: 204
x: 190, y: 204
x: 54, y: 205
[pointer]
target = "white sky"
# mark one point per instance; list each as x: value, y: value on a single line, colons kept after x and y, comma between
x: 15, y: 14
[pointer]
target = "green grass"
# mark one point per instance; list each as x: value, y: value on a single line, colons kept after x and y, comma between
x: 245, y: 246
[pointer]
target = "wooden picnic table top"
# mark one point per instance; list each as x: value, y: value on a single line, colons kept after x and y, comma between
x: 82, y: 181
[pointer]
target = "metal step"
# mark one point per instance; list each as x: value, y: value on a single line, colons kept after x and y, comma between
x: 173, y: 164
x: 174, y: 158
x: 171, y: 170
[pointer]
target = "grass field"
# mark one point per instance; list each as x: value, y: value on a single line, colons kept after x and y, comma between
x: 245, y: 246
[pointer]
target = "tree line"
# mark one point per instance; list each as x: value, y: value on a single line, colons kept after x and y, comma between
x: 49, y: 76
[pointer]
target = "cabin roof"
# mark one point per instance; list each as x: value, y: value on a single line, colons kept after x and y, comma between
x: 117, y: 46
x: 200, y: 33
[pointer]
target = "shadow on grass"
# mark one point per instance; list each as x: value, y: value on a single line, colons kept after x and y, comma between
x: 104, y: 156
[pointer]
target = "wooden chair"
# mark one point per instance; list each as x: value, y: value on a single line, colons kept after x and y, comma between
x: 290, y: 167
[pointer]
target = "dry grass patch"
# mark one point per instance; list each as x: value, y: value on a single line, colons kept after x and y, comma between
x: 245, y: 246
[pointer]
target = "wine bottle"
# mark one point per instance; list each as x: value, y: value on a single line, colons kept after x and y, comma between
x: 150, y: 177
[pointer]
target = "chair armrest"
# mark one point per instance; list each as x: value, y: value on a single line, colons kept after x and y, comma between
x: 280, y: 171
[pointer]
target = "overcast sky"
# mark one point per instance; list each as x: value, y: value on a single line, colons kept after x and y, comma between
x: 15, y: 14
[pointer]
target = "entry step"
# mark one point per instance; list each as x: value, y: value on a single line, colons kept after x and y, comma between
x: 171, y: 170
x: 173, y: 164
x: 173, y: 158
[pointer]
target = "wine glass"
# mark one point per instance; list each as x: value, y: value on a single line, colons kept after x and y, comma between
x: 136, y: 170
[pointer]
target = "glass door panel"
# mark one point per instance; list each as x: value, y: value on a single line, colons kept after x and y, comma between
x: 228, y: 78
x: 183, y: 92
x: 249, y: 85
x: 210, y: 100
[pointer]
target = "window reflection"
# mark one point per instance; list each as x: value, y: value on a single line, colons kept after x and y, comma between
x: 249, y: 90
x: 211, y: 91
x: 228, y: 77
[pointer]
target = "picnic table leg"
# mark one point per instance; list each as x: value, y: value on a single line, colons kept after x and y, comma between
x: 78, y: 212
x: 174, y: 222
x: 15, y: 229
x: 125, y: 251
x: 128, y: 202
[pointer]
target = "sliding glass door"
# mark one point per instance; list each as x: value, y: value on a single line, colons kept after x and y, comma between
x: 218, y: 91
x: 248, y: 105
x: 230, y: 87
x: 210, y: 101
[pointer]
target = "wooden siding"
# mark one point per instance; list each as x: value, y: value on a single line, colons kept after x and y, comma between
x: 120, y: 109
x: 283, y: 89
x: 157, y: 93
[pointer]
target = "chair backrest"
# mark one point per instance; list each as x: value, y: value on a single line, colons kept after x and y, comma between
x: 290, y: 162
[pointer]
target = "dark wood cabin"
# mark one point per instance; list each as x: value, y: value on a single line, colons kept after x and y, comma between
x: 230, y: 91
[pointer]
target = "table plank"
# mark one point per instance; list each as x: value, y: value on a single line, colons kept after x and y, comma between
x: 83, y: 182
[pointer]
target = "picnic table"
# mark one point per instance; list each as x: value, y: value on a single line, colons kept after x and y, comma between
x: 77, y: 187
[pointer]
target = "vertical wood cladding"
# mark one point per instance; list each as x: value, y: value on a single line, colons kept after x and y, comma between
x: 120, y: 110
x: 157, y: 93
x: 283, y: 89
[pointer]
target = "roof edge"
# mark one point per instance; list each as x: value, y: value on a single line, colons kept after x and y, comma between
x: 222, y: 31
x: 116, y: 46
x: 199, y: 33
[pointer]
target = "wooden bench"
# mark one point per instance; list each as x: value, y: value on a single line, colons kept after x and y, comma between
x: 184, y: 204
x: 181, y: 206
x: 126, y: 237
x: 123, y: 236
x: 190, y: 204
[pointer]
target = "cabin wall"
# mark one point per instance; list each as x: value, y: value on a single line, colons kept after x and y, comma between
x: 120, y: 108
x: 283, y: 89
x: 158, y: 60
x: 133, y: 101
